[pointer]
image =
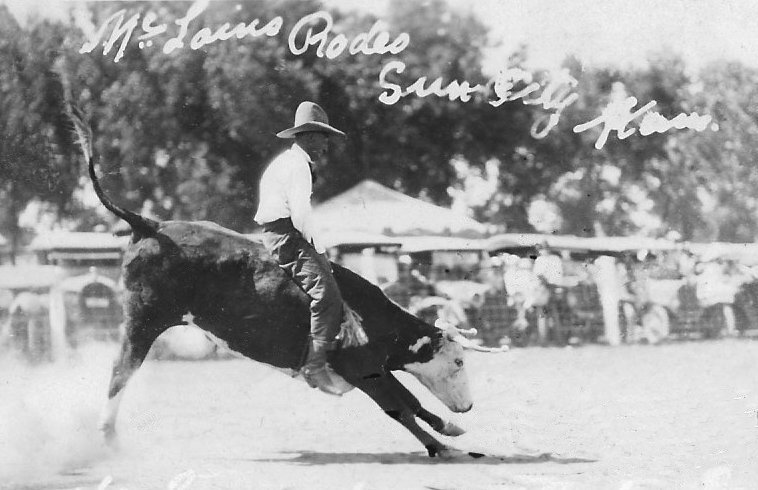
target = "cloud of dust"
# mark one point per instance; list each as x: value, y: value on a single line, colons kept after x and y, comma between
x: 49, y: 413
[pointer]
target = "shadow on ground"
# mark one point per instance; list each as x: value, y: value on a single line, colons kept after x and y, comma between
x: 324, y: 458
x: 64, y: 482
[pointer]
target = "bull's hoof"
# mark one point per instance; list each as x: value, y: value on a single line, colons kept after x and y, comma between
x: 109, y: 435
x: 450, y: 429
x: 451, y: 453
x: 435, y: 450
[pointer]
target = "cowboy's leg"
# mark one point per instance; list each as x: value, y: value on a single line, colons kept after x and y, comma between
x: 312, y: 272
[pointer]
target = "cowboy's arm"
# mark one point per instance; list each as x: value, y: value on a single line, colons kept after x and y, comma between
x: 299, y: 198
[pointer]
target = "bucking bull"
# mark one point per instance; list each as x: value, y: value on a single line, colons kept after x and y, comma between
x: 235, y: 291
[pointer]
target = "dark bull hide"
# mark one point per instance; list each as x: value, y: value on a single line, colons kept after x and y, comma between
x: 235, y: 291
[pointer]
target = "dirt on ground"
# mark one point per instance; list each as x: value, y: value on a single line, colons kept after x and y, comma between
x: 679, y: 415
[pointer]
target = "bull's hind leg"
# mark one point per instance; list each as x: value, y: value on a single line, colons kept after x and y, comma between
x: 141, y: 331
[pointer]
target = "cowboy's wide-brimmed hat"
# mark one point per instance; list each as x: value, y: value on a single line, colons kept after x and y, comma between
x: 309, y: 117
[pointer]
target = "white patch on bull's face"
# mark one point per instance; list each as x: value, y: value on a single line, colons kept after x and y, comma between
x: 419, y: 344
x: 445, y: 376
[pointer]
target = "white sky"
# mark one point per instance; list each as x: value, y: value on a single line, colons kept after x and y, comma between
x: 598, y: 31
x: 613, y: 31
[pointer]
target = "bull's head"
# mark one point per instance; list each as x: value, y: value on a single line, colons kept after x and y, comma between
x: 445, y: 374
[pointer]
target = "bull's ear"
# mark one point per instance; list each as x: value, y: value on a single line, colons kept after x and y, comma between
x: 445, y: 329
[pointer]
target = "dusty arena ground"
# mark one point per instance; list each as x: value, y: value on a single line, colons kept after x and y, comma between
x: 681, y: 415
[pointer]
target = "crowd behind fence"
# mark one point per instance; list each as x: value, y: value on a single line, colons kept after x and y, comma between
x: 551, y: 296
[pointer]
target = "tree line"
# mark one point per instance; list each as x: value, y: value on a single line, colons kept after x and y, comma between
x: 186, y: 134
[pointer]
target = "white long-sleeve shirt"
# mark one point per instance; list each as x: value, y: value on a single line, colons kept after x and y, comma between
x: 285, y: 192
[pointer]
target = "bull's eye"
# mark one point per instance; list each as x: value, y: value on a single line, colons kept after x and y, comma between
x: 459, y: 362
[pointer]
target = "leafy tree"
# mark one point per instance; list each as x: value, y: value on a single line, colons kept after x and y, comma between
x: 187, y: 134
x: 410, y: 144
x: 35, y: 151
x: 162, y: 119
x: 716, y: 169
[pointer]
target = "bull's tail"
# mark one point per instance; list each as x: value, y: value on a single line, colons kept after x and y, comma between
x: 141, y: 226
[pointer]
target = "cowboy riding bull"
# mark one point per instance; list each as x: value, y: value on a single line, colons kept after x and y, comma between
x: 235, y: 290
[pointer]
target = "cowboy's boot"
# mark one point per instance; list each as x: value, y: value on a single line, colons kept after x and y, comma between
x: 315, y: 370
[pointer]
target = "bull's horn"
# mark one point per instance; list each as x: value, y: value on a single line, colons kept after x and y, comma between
x: 455, y: 335
x: 443, y: 325
x: 468, y: 344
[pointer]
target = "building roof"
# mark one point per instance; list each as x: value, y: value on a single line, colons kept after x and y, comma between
x: 600, y: 245
x: 744, y: 253
x: 357, y: 239
x: 373, y: 208
x: 416, y: 244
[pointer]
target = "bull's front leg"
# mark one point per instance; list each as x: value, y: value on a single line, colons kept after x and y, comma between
x: 445, y: 428
x: 383, y: 390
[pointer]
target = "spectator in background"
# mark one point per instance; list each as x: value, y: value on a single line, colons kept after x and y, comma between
x: 713, y: 284
x: 407, y: 286
x: 419, y: 283
x: 736, y: 273
x: 548, y: 266
x: 400, y: 290
x: 521, y: 280
x: 425, y: 304
x: 494, y: 312
x: 606, y: 285
x: 628, y: 307
x: 525, y: 290
x: 452, y: 313
x: 420, y: 299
